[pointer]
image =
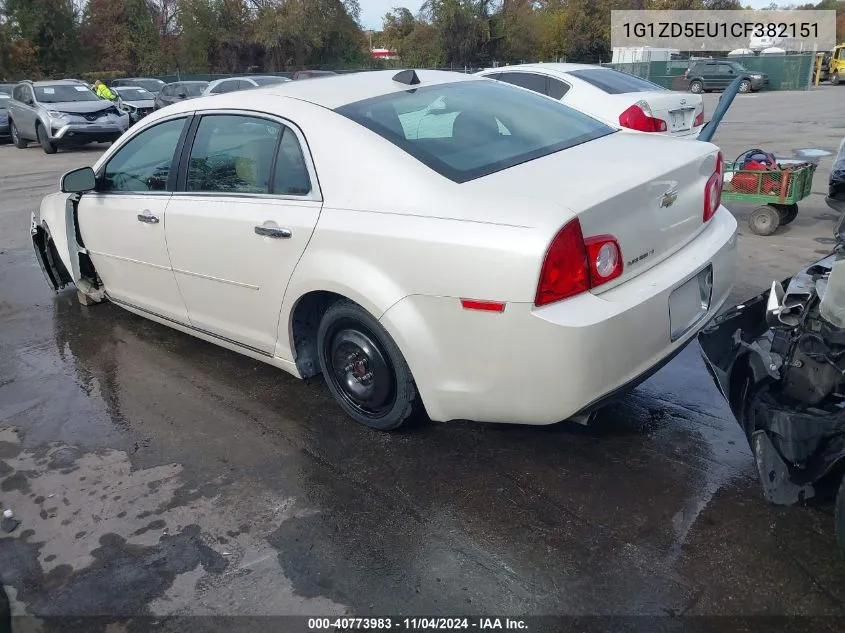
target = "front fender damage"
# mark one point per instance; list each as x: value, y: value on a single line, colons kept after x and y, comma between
x: 779, y: 361
x: 61, y: 255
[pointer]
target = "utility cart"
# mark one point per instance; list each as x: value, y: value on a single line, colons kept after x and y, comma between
x: 777, y: 191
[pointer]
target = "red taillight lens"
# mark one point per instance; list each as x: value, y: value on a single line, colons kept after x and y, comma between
x: 699, y: 118
x: 638, y: 117
x: 574, y: 265
x: 713, y: 190
x: 564, y: 271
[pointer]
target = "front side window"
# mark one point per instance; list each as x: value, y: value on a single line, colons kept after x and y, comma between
x: 233, y: 154
x: 615, y: 82
x: 144, y: 163
x: 63, y: 93
x: 468, y: 129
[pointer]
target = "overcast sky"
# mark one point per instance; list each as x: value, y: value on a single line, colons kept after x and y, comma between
x: 372, y: 11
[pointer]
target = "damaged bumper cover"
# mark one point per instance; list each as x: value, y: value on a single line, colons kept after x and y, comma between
x: 779, y: 361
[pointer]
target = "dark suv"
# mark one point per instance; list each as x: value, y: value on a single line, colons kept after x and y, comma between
x: 717, y: 74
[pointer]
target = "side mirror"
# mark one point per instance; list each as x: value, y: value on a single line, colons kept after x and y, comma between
x: 79, y: 181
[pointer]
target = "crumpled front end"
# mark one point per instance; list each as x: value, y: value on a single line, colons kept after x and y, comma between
x: 779, y: 361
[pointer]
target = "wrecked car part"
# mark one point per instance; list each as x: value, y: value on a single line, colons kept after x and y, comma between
x: 779, y: 361
x: 836, y: 183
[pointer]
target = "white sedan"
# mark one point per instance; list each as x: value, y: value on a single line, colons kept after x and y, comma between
x: 616, y: 98
x: 423, y: 239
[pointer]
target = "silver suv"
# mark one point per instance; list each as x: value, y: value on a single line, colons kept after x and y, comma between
x: 62, y: 113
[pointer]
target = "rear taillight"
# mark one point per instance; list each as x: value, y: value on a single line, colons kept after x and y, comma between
x: 638, y: 117
x: 699, y: 116
x: 713, y: 190
x: 574, y: 265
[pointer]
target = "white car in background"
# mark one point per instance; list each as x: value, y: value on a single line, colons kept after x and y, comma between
x: 234, y: 84
x: 612, y: 96
x: 428, y: 241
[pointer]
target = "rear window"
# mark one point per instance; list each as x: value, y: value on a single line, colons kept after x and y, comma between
x: 614, y: 82
x: 193, y: 89
x: 470, y: 129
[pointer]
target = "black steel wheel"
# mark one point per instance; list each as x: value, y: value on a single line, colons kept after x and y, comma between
x: 17, y: 139
x: 364, y: 369
x: 764, y: 220
x: 787, y: 212
x: 46, y: 145
x: 834, y: 78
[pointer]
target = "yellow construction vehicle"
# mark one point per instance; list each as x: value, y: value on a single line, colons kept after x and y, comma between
x: 836, y: 65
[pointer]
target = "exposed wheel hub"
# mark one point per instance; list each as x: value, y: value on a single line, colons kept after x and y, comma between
x: 361, y: 371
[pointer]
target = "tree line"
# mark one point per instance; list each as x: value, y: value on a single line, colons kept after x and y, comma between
x: 103, y: 38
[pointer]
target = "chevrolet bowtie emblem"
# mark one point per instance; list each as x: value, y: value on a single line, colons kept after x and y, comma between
x: 668, y: 199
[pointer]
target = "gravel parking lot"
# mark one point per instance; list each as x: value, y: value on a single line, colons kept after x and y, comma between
x: 155, y: 474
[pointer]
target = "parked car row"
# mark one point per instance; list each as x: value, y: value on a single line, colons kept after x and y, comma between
x: 67, y: 112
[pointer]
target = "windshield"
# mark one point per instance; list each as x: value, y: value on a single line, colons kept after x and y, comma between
x: 6, y: 89
x: 134, y: 94
x: 4, y: 100
x: 151, y: 85
x: 738, y: 67
x: 192, y: 89
x: 470, y: 129
x: 615, y: 82
x: 63, y: 93
x: 267, y: 81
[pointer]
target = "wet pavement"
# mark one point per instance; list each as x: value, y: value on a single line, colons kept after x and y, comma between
x: 155, y: 474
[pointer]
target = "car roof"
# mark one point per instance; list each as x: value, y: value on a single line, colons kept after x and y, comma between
x: 192, y: 81
x: 551, y: 68
x: 341, y: 89
x: 55, y: 82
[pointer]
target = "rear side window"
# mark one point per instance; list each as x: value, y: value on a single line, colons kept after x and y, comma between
x: 557, y: 88
x: 233, y: 154
x: 532, y: 81
x: 614, y: 82
x: 469, y: 129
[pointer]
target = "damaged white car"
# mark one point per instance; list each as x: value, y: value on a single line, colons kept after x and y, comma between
x: 422, y: 239
x: 779, y: 361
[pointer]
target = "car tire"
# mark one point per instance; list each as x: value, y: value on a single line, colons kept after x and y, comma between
x: 787, y: 212
x: 764, y: 220
x: 834, y: 79
x: 17, y: 139
x: 696, y: 86
x: 46, y: 145
x: 364, y: 369
x: 745, y: 86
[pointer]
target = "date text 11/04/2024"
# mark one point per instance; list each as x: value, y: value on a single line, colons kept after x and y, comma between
x: 720, y: 29
x: 416, y: 624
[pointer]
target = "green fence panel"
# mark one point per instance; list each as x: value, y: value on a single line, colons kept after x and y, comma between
x: 786, y: 72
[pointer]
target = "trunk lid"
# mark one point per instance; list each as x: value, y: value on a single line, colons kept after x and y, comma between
x: 678, y: 109
x: 645, y: 190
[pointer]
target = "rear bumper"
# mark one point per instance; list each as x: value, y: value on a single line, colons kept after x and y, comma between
x: 541, y: 365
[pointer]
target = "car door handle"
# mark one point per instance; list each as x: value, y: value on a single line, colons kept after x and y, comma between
x: 147, y: 218
x: 270, y: 231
